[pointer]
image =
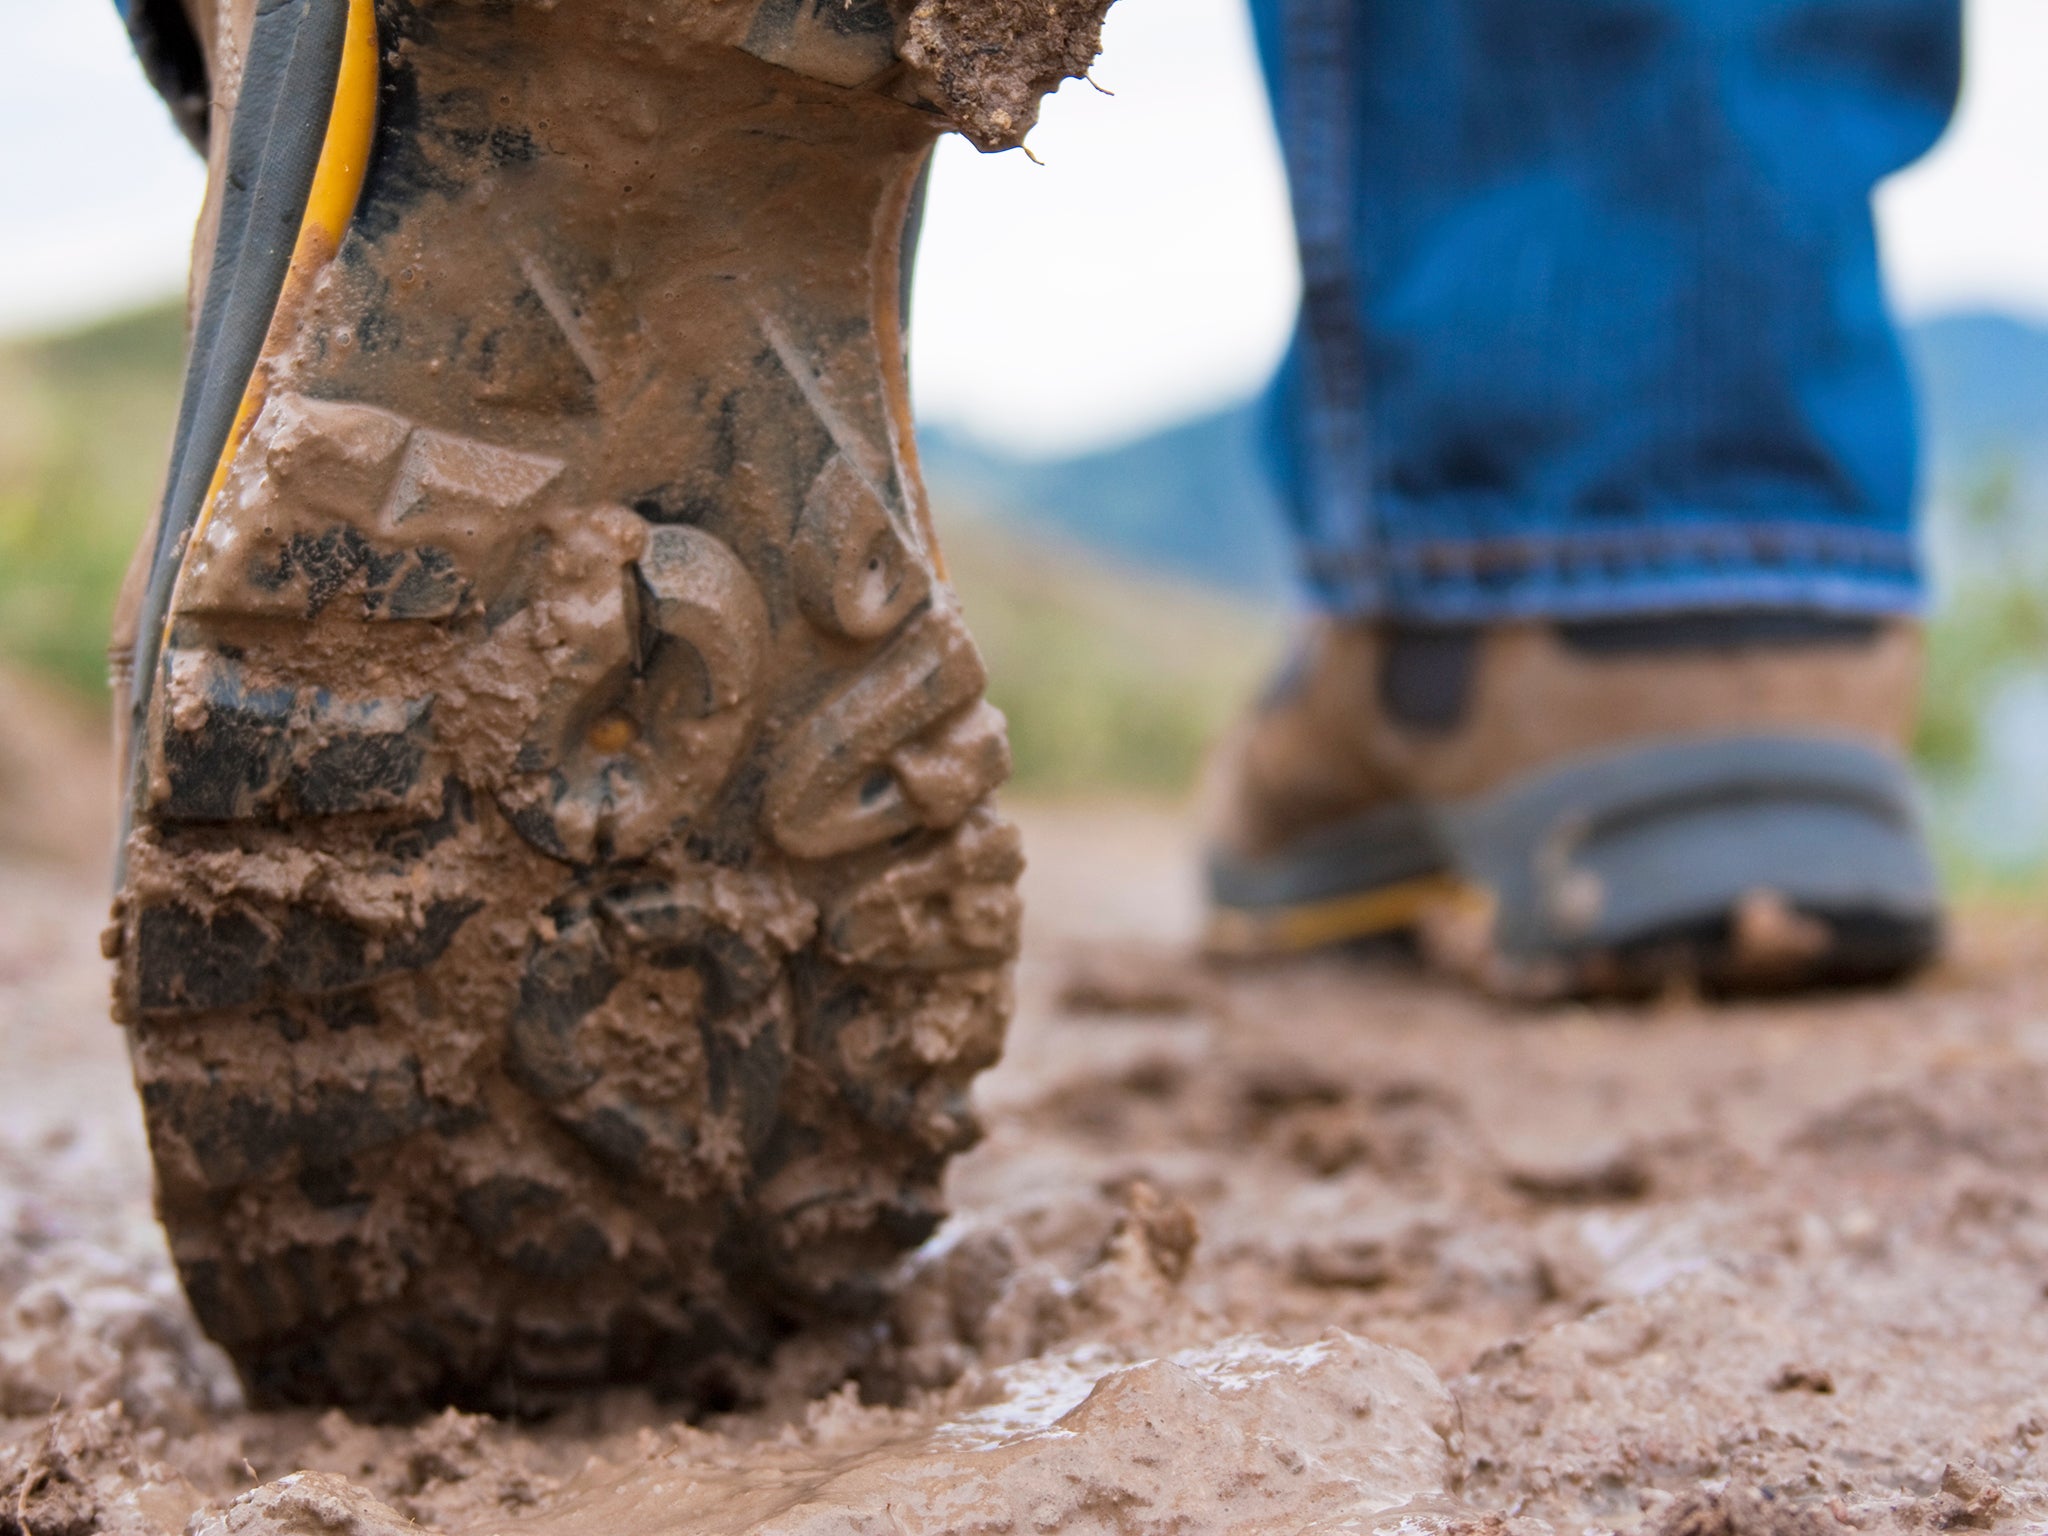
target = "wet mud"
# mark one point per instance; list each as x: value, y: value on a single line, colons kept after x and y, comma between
x: 1332, y: 1247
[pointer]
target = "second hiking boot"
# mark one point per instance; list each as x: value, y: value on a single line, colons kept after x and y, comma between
x: 1720, y: 798
x: 562, y: 907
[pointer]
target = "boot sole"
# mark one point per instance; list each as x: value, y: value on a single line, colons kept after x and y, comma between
x: 1743, y: 864
x: 1740, y: 865
x: 563, y: 908
x: 1374, y: 877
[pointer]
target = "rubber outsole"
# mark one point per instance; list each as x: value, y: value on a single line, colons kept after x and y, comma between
x: 1376, y: 874
x: 1735, y: 864
x: 564, y: 908
x: 1760, y: 861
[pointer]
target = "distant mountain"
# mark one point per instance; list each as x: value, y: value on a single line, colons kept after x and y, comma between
x: 1194, y: 501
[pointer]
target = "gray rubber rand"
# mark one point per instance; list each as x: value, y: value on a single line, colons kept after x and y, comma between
x: 292, y: 63
x: 1613, y: 852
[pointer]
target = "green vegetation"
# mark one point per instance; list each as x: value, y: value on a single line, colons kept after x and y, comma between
x: 1111, y: 681
x: 84, y: 420
x: 1989, y: 636
x: 1993, y: 623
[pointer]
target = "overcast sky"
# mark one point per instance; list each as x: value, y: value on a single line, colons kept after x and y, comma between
x: 1142, y: 272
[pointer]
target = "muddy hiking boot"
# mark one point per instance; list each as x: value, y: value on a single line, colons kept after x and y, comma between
x: 1586, y: 808
x: 561, y: 908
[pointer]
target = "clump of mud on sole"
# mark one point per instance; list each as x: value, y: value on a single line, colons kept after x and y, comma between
x: 987, y: 64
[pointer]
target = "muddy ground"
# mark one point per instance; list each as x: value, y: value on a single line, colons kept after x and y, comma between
x: 1332, y: 1247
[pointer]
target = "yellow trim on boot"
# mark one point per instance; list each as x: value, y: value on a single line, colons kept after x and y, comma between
x: 330, y: 204
x: 1240, y: 933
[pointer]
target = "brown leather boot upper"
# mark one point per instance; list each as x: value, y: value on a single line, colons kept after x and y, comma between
x: 1364, y: 717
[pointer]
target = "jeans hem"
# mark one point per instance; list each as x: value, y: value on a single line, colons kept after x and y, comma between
x: 1673, y: 569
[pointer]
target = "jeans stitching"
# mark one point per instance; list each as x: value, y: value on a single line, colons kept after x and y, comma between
x: 1772, y: 544
x: 1316, y: 104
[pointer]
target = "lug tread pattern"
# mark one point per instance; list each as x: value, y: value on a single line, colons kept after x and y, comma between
x: 565, y: 909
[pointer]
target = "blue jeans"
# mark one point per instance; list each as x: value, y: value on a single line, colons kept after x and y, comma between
x: 1591, y: 320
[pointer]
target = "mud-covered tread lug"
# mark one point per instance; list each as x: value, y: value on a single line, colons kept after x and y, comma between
x: 564, y: 980
x: 536, y: 827
x: 343, y: 1011
x: 907, y: 1223
x: 615, y: 1135
x: 559, y: 1354
x: 236, y: 1136
x: 493, y: 1206
x: 364, y: 770
x: 750, y: 1076
x: 332, y: 1187
x: 414, y: 841
x: 199, y: 964
x: 234, y: 763
x: 206, y: 1288
x: 318, y: 953
x: 190, y: 962
x: 233, y: 749
x: 530, y: 1226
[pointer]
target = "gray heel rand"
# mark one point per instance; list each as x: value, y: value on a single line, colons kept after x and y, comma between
x: 1610, y: 851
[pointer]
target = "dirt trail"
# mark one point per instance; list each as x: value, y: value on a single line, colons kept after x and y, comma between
x: 1325, y: 1248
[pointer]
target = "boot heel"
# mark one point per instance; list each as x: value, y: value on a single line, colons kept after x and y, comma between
x: 1754, y: 861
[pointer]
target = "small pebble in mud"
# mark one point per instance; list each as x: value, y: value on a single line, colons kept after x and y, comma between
x: 1581, y: 1176
x: 1155, y: 1077
x: 1162, y: 1226
x: 1131, y: 980
x: 1358, y: 1265
x: 1803, y: 1378
x: 1326, y: 1140
x: 1277, y: 1085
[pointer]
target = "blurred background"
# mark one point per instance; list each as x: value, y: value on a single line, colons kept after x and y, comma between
x: 1089, y: 334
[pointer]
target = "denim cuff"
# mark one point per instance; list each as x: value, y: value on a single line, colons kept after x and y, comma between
x: 1677, y: 566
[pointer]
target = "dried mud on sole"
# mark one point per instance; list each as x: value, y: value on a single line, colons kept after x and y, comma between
x: 1328, y: 1247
